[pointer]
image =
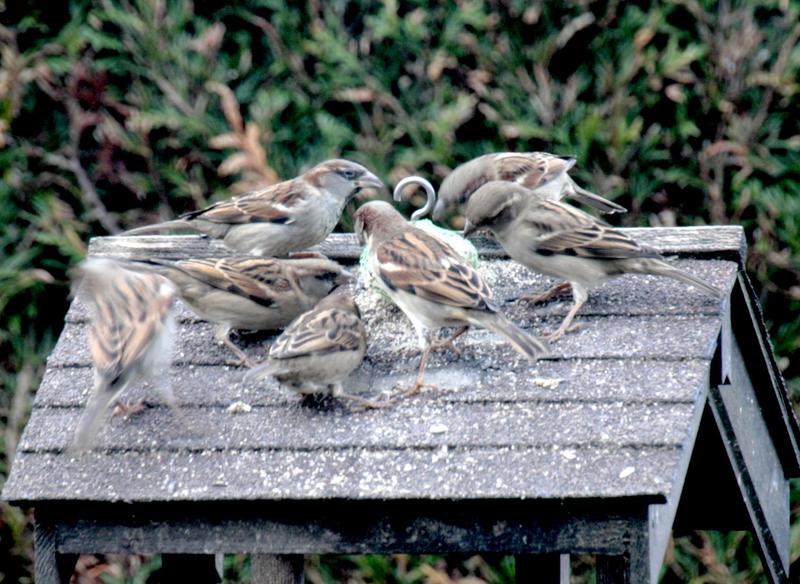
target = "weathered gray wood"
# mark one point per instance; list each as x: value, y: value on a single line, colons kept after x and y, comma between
x: 340, y: 526
x: 432, y: 425
x: 633, y: 381
x: 605, y: 446
x: 194, y: 568
x: 756, y: 464
x: 542, y: 568
x: 633, y: 565
x: 50, y: 566
x: 354, y: 473
x: 773, y: 397
x: 275, y: 569
x: 656, y: 337
x: 725, y: 242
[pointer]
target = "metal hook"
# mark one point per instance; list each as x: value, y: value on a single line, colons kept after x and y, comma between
x: 429, y: 190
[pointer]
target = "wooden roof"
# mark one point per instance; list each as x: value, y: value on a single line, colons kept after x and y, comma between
x: 612, y: 413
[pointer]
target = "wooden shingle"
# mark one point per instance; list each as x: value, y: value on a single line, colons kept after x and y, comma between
x: 611, y: 416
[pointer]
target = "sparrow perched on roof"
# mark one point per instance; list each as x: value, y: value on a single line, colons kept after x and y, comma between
x: 543, y: 173
x: 431, y: 283
x: 289, y: 216
x: 130, y: 336
x: 320, y: 349
x: 559, y: 240
x: 250, y: 293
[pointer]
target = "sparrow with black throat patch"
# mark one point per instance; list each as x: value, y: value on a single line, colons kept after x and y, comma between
x: 293, y: 215
x: 432, y: 284
x: 558, y: 240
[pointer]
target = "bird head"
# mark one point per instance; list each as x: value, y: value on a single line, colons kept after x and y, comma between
x: 342, y: 178
x: 493, y: 205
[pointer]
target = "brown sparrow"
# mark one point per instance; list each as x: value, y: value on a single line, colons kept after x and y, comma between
x: 250, y: 293
x: 130, y: 336
x: 293, y: 215
x: 543, y: 173
x: 320, y: 349
x: 556, y: 239
x: 431, y: 283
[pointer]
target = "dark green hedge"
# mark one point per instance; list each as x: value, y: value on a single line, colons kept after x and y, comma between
x: 114, y: 113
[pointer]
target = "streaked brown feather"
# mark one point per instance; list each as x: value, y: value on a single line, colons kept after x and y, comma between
x: 262, y: 206
x: 417, y: 262
x: 127, y: 317
x: 320, y: 332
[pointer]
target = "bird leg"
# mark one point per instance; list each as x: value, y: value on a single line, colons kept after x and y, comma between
x: 448, y: 342
x: 367, y: 404
x: 224, y: 336
x: 420, y: 381
x: 580, y: 296
x: 560, y: 288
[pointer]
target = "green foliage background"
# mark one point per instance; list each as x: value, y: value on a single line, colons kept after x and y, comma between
x: 117, y: 113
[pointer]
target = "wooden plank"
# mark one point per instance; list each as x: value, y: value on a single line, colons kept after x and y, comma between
x: 49, y: 565
x: 276, y: 569
x: 765, y: 376
x: 651, y: 337
x: 633, y: 565
x: 554, y: 381
x: 431, y: 425
x: 725, y: 242
x: 756, y: 464
x: 341, y: 526
x: 358, y: 474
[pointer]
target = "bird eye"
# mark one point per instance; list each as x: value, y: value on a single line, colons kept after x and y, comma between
x: 348, y: 174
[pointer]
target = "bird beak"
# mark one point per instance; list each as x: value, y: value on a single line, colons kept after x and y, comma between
x: 369, y: 180
x: 469, y: 228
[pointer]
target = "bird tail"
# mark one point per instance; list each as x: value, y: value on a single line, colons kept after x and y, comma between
x: 155, y: 228
x: 661, y: 268
x: 92, y: 418
x: 526, y: 345
x: 594, y: 200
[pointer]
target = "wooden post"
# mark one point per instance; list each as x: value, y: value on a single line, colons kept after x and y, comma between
x: 276, y: 569
x: 49, y: 566
x: 545, y: 568
x: 195, y: 568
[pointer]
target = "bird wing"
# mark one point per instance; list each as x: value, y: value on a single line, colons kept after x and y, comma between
x: 562, y: 229
x: 128, y: 316
x: 256, y: 279
x: 532, y: 170
x: 274, y: 204
x: 320, y: 332
x: 419, y: 263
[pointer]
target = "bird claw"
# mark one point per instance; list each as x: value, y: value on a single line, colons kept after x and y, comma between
x: 415, y: 389
x: 560, y: 332
x: 562, y: 288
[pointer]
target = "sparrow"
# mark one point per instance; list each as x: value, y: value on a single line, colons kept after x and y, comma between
x: 320, y: 349
x: 248, y: 292
x: 431, y: 283
x: 543, y: 173
x: 130, y: 336
x: 556, y: 239
x: 289, y: 216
